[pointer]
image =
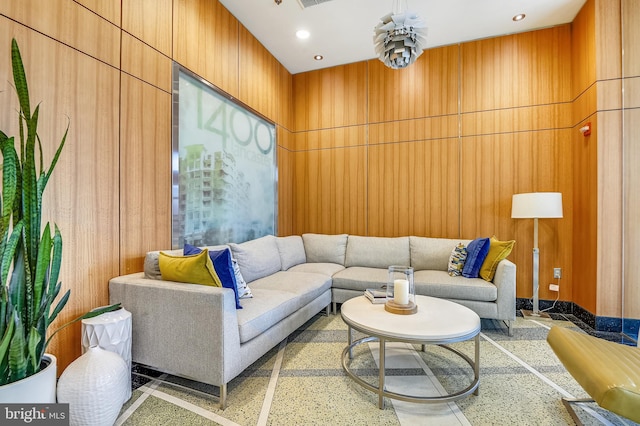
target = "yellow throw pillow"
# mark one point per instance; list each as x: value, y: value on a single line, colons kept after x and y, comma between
x: 498, y: 250
x: 194, y: 269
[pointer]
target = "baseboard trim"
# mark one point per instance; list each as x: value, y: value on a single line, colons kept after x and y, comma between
x: 598, y: 323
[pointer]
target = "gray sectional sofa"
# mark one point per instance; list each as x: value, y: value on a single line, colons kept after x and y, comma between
x: 195, y: 331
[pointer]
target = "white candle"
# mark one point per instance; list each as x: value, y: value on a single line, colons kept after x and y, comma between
x: 401, y: 292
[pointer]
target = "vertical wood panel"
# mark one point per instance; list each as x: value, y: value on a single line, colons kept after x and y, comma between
x: 108, y: 9
x: 261, y: 82
x: 329, y: 191
x: 585, y: 219
x: 631, y: 297
x: 149, y: 21
x: 413, y: 189
x: 331, y: 97
x: 145, y: 172
x: 414, y: 130
x: 206, y: 42
x: 70, y: 23
x: 609, y: 195
x: 584, y: 154
x: 524, y: 119
x: 72, y: 88
x: 145, y: 63
x: 524, y: 69
x: 427, y: 88
x: 583, y: 49
x: 608, y: 42
x: 330, y: 138
x: 285, y: 183
x: 631, y: 37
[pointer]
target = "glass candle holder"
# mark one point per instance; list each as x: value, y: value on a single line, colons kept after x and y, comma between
x: 401, y: 293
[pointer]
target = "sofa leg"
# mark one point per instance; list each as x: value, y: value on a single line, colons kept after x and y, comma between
x: 328, y: 310
x: 223, y: 396
x: 509, y: 324
x: 335, y: 307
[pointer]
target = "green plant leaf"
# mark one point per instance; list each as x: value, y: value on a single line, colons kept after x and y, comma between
x: 42, y: 267
x: 9, y: 178
x: 90, y: 314
x: 20, y: 79
x: 17, y: 352
x: 57, y: 155
x: 34, y: 339
x: 9, y: 253
x: 4, y: 351
x: 31, y: 195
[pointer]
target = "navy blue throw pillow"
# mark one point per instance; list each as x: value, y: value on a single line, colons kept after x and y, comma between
x: 477, y: 251
x: 223, y: 265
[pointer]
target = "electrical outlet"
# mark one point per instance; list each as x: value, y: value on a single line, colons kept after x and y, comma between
x: 554, y: 287
x: 557, y: 272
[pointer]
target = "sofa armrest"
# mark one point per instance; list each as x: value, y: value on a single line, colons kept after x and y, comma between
x: 189, y: 330
x: 505, y: 281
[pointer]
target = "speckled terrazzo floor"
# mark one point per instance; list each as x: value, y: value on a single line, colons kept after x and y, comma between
x: 301, y: 382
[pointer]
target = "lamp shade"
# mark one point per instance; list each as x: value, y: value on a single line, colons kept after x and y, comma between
x: 536, y: 205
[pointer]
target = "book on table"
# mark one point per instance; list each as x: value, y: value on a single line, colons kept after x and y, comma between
x: 376, y: 296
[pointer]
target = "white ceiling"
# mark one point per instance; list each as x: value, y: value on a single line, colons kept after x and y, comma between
x: 342, y: 30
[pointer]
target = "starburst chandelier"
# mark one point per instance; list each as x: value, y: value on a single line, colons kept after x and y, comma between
x: 400, y: 37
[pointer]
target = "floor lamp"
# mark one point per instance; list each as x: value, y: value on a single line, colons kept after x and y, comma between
x: 536, y: 205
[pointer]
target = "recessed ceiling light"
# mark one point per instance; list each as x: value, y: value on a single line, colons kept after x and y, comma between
x: 302, y: 34
x: 318, y: 57
x: 519, y: 17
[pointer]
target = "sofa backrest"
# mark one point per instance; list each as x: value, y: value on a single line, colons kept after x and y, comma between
x: 291, y: 251
x: 432, y: 253
x: 377, y: 252
x: 257, y: 258
x: 322, y: 248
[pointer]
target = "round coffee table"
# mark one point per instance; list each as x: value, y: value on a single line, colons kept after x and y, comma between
x: 437, y: 322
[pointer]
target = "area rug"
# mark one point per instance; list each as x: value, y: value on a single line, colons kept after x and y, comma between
x: 301, y: 382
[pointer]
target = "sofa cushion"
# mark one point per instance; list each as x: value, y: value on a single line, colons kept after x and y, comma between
x: 498, y: 250
x: 193, y: 269
x: 476, y: 253
x: 456, y: 260
x: 277, y: 296
x: 431, y: 253
x: 291, y: 251
x: 318, y: 268
x: 152, y: 268
x: 257, y: 258
x: 321, y: 248
x: 152, y: 264
x: 243, y: 288
x: 223, y: 265
x: 377, y: 252
x: 360, y: 278
x: 440, y: 284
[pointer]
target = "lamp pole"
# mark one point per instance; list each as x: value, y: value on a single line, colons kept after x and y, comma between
x: 536, y: 269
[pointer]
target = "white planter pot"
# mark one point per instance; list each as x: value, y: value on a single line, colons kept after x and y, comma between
x: 39, y: 388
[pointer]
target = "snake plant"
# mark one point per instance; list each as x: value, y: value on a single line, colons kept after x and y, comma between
x: 29, y: 260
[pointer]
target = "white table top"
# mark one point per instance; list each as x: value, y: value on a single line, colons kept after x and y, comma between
x: 437, y: 320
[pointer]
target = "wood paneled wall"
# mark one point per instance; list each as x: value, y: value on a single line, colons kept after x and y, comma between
x: 441, y: 146
x: 105, y: 67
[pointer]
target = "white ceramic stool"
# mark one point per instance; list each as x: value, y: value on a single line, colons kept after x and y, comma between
x: 112, y: 332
